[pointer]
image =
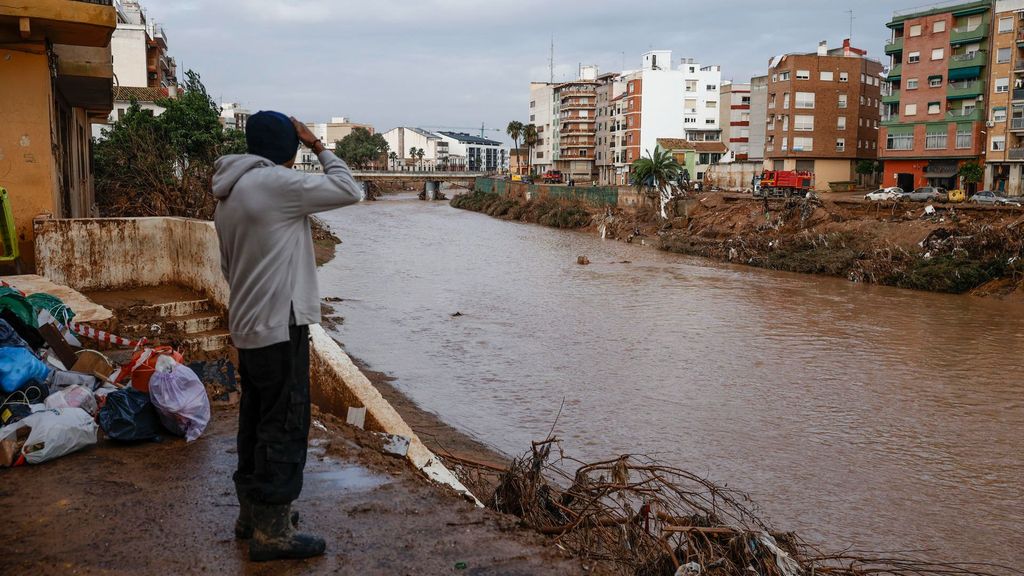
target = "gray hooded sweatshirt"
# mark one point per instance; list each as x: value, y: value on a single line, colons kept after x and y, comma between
x: 266, y: 247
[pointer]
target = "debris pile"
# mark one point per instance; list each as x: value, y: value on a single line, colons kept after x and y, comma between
x: 632, y: 515
x: 56, y: 395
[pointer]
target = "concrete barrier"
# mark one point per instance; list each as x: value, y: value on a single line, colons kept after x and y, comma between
x: 120, y: 253
x: 624, y: 197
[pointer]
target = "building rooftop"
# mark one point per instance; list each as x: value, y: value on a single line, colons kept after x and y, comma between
x: 469, y: 138
x: 681, y: 144
x: 141, y: 94
x: 956, y: 7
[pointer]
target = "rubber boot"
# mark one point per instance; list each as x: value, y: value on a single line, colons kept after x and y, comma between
x: 274, y: 538
x: 243, y: 525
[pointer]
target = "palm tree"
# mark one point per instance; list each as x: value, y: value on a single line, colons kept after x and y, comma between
x: 394, y: 159
x: 515, y: 132
x: 530, y: 139
x: 655, y: 175
x: 412, y: 155
x: 420, y: 154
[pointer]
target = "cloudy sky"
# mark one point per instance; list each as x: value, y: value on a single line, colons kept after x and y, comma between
x: 460, y: 63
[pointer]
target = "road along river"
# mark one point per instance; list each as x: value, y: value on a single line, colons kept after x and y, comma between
x: 856, y: 415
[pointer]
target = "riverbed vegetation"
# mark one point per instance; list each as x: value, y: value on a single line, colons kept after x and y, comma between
x: 556, y: 213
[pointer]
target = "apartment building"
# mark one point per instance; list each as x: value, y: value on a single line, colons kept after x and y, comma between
x: 542, y: 98
x: 1004, y: 169
x: 575, y: 129
x: 758, y: 118
x: 140, y: 50
x: 473, y: 153
x: 933, y: 113
x: 55, y: 80
x: 234, y: 116
x: 734, y: 118
x: 403, y: 139
x: 607, y: 150
x: 823, y: 112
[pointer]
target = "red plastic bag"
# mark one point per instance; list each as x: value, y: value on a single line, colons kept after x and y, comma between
x: 142, y: 365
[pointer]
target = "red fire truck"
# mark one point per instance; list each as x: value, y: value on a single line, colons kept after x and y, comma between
x: 784, y: 183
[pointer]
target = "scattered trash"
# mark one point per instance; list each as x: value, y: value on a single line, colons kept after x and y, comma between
x: 929, y: 209
x: 75, y: 396
x: 356, y: 417
x: 18, y: 367
x: 179, y: 398
x: 583, y: 260
x: 461, y: 565
x: 456, y: 314
x: 394, y: 444
x: 52, y: 434
x: 128, y: 415
x: 688, y: 569
x: 142, y: 365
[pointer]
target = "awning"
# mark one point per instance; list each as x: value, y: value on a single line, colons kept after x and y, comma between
x: 940, y: 170
x: 965, y: 73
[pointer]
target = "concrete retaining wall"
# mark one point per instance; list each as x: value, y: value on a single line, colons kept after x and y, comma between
x: 119, y: 253
x: 626, y: 198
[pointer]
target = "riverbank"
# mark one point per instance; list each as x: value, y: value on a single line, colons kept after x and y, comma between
x: 949, y: 248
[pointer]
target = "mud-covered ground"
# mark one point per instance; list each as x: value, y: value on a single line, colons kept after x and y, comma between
x: 954, y: 248
x: 169, y: 508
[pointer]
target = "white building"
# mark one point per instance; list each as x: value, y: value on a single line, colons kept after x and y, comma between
x: 138, y: 48
x: 542, y: 99
x: 234, y: 116
x: 403, y: 139
x: 473, y: 153
x: 701, y: 102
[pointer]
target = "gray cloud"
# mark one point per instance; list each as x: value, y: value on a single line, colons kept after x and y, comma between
x: 463, y: 62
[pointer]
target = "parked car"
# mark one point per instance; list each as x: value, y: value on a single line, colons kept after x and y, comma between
x: 883, y: 194
x: 552, y: 177
x: 924, y: 194
x: 992, y: 198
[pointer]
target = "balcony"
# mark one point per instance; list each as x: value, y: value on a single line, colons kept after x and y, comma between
x: 577, y: 106
x: 1018, y: 94
x: 1018, y: 67
x: 969, y: 115
x: 70, y: 22
x: 965, y: 35
x: 964, y: 90
x: 895, y: 73
x: 892, y: 98
x: 894, y: 46
x: 1020, y: 37
x: 1015, y: 154
x: 968, y: 60
x: 1016, y: 124
x: 575, y: 93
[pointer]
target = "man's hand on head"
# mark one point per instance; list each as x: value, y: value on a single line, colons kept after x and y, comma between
x: 308, y: 139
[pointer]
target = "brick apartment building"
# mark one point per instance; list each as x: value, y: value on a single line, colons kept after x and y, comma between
x: 823, y: 112
x: 734, y: 119
x: 1004, y: 170
x: 933, y: 117
x: 575, y: 105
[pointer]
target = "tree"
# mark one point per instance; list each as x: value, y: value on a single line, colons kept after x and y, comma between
x: 412, y: 155
x: 394, y: 159
x: 420, y: 154
x: 971, y: 173
x: 148, y: 165
x: 530, y: 139
x: 655, y: 174
x: 515, y: 132
x: 867, y: 167
x: 360, y: 148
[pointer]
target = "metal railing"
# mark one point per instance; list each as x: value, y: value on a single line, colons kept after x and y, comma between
x: 928, y: 7
x: 965, y: 56
x: 1015, y: 153
x: 1016, y: 123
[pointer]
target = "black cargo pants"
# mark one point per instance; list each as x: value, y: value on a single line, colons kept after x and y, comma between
x: 273, y: 420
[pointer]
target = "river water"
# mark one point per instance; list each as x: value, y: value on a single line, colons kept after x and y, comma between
x: 857, y: 415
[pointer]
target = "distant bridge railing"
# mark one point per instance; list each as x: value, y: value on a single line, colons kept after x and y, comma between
x: 419, y: 175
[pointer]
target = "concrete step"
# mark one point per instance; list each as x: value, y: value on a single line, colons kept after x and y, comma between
x: 209, y: 341
x: 171, y: 309
x: 190, y: 324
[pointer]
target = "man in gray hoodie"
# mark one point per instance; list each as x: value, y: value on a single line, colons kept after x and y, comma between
x: 266, y: 249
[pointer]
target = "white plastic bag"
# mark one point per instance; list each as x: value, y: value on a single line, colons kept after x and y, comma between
x: 73, y: 397
x: 54, y: 433
x: 179, y: 398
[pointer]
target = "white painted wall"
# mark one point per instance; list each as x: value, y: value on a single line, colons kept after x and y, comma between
x: 661, y: 108
x: 128, y: 49
x: 542, y: 96
x: 402, y: 138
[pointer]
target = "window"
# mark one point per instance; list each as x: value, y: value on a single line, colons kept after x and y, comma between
x: 840, y: 144
x: 863, y: 78
x: 911, y: 83
x: 933, y: 108
x: 771, y: 100
x: 711, y: 87
x: 899, y: 142
x: 939, y: 26
x: 803, y: 123
x: 935, y: 81
x: 913, y: 58
x: 711, y: 104
x: 540, y: 154
x: 1002, y: 85
x: 910, y: 110
x: 999, y: 114
x: 803, y: 144
x: 826, y: 76
x: 844, y: 77
x: 689, y: 120
x: 785, y: 143
x: 1003, y: 56
x: 964, y: 136
x: 915, y: 30
x: 775, y: 77
x: 841, y: 123
x: 785, y: 101
x: 709, y: 120
x: 691, y: 85
x: 805, y: 100
x: 783, y: 76
x: 998, y: 143
x: 842, y: 100
x: 938, y: 53
x: 533, y: 103
x: 785, y: 123
x: 803, y: 74
x: 1005, y: 25
x: 533, y: 117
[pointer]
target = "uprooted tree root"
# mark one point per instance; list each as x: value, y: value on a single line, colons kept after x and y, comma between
x: 634, y: 516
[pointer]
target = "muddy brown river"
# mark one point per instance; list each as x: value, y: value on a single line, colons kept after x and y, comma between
x: 861, y: 416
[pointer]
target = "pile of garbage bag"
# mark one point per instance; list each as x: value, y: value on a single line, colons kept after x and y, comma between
x: 56, y: 396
